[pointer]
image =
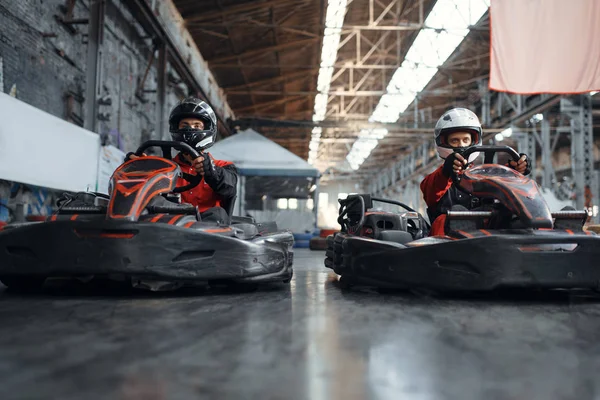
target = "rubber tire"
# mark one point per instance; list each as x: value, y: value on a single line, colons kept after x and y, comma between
x: 23, y: 283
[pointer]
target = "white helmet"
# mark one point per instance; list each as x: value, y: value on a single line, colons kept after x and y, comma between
x: 454, y: 120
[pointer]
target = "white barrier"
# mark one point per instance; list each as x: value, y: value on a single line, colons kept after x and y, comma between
x: 40, y: 149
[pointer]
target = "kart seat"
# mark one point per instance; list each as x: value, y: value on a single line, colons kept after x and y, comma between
x: 160, y: 205
x: 400, y: 237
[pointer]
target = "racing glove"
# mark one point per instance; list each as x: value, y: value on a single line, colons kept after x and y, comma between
x: 212, y: 174
x: 131, y: 153
x: 448, y: 168
x: 222, y: 180
x: 527, y: 168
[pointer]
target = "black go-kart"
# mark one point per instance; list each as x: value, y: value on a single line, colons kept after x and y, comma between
x: 510, y: 240
x: 142, y: 233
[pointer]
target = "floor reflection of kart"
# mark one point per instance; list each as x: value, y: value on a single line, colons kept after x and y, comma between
x: 143, y: 234
x: 510, y: 240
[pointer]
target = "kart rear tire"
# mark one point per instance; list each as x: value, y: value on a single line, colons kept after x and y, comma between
x: 23, y: 283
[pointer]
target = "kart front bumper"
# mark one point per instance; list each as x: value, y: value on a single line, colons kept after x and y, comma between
x: 159, y: 251
x: 545, y: 260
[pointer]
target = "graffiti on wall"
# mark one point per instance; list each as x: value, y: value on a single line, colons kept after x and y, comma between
x: 111, y: 137
x: 35, y: 200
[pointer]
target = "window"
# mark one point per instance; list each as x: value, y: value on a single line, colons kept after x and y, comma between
x: 293, y: 204
x: 323, y: 200
x: 310, y: 204
x: 282, y: 204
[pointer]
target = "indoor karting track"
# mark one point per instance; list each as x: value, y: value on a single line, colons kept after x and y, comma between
x: 309, y: 341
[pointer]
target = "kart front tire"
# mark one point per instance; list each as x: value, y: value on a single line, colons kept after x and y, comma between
x: 23, y: 283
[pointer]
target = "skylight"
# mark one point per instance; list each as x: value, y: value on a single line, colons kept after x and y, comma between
x: 334, y: 20
x: 448, y: 23
x: 366, y: 142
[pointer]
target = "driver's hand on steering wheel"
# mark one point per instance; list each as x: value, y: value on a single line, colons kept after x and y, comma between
x: 454, y: 164
x: 459, y: 163
x: 521, y: 165
x: 198, y: 165
x: 132, y: 156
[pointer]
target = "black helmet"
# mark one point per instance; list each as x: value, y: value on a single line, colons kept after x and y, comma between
x: 192, y: 107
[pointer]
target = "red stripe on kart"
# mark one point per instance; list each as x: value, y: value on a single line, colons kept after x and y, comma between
x: 468, y: 235
x: 156, y: 217
x: 189, y: 224
x: 175, y: 219
x: 487, y: 233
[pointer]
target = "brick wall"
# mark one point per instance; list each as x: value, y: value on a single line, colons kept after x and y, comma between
x: 43, y: 60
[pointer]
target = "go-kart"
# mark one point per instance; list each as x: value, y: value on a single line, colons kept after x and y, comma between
x: 511, y: 240
x: 142, y: 233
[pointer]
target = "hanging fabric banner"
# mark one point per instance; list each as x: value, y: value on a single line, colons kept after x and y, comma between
x: 545, y: 46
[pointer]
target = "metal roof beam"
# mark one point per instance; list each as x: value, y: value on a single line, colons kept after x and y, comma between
x: 239, y: 9
x: 289, y: 77
x: 263, y: 50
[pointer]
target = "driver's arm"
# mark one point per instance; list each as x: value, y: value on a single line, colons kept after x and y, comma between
x: 222, y: 177
x: 434, y: 186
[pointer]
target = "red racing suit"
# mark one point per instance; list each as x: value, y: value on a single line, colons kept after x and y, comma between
x: 213, y: 188
x: 440, y: 196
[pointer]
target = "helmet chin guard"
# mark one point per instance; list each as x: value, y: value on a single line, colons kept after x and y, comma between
x: 198, y: 139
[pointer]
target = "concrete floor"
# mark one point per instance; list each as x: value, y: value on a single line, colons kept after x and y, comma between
x: 309, y: 340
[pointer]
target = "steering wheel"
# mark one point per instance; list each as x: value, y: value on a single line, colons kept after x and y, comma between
x: 489, y: 151
x: 166, y: 146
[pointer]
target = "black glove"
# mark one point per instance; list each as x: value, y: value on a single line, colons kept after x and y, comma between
x: 448, y: 168
x: 527, y: 168
x: 211, y: 171
x: 131, y: 153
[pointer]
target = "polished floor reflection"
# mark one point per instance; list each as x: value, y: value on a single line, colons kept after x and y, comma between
x: 309, y: 340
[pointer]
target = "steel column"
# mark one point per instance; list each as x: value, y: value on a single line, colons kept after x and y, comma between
x: 485, y: 102
x: 161, y: 74
x: 316, y: 202
x: 582, y: 141
x: 595, y: 191
x: 94, y: 63
x: 546, y: 153
x: 582, y: 156
x: 532, y: 153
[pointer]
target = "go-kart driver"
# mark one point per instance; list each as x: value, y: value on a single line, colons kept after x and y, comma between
x: 456, y: 128
x: 194, y: 122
